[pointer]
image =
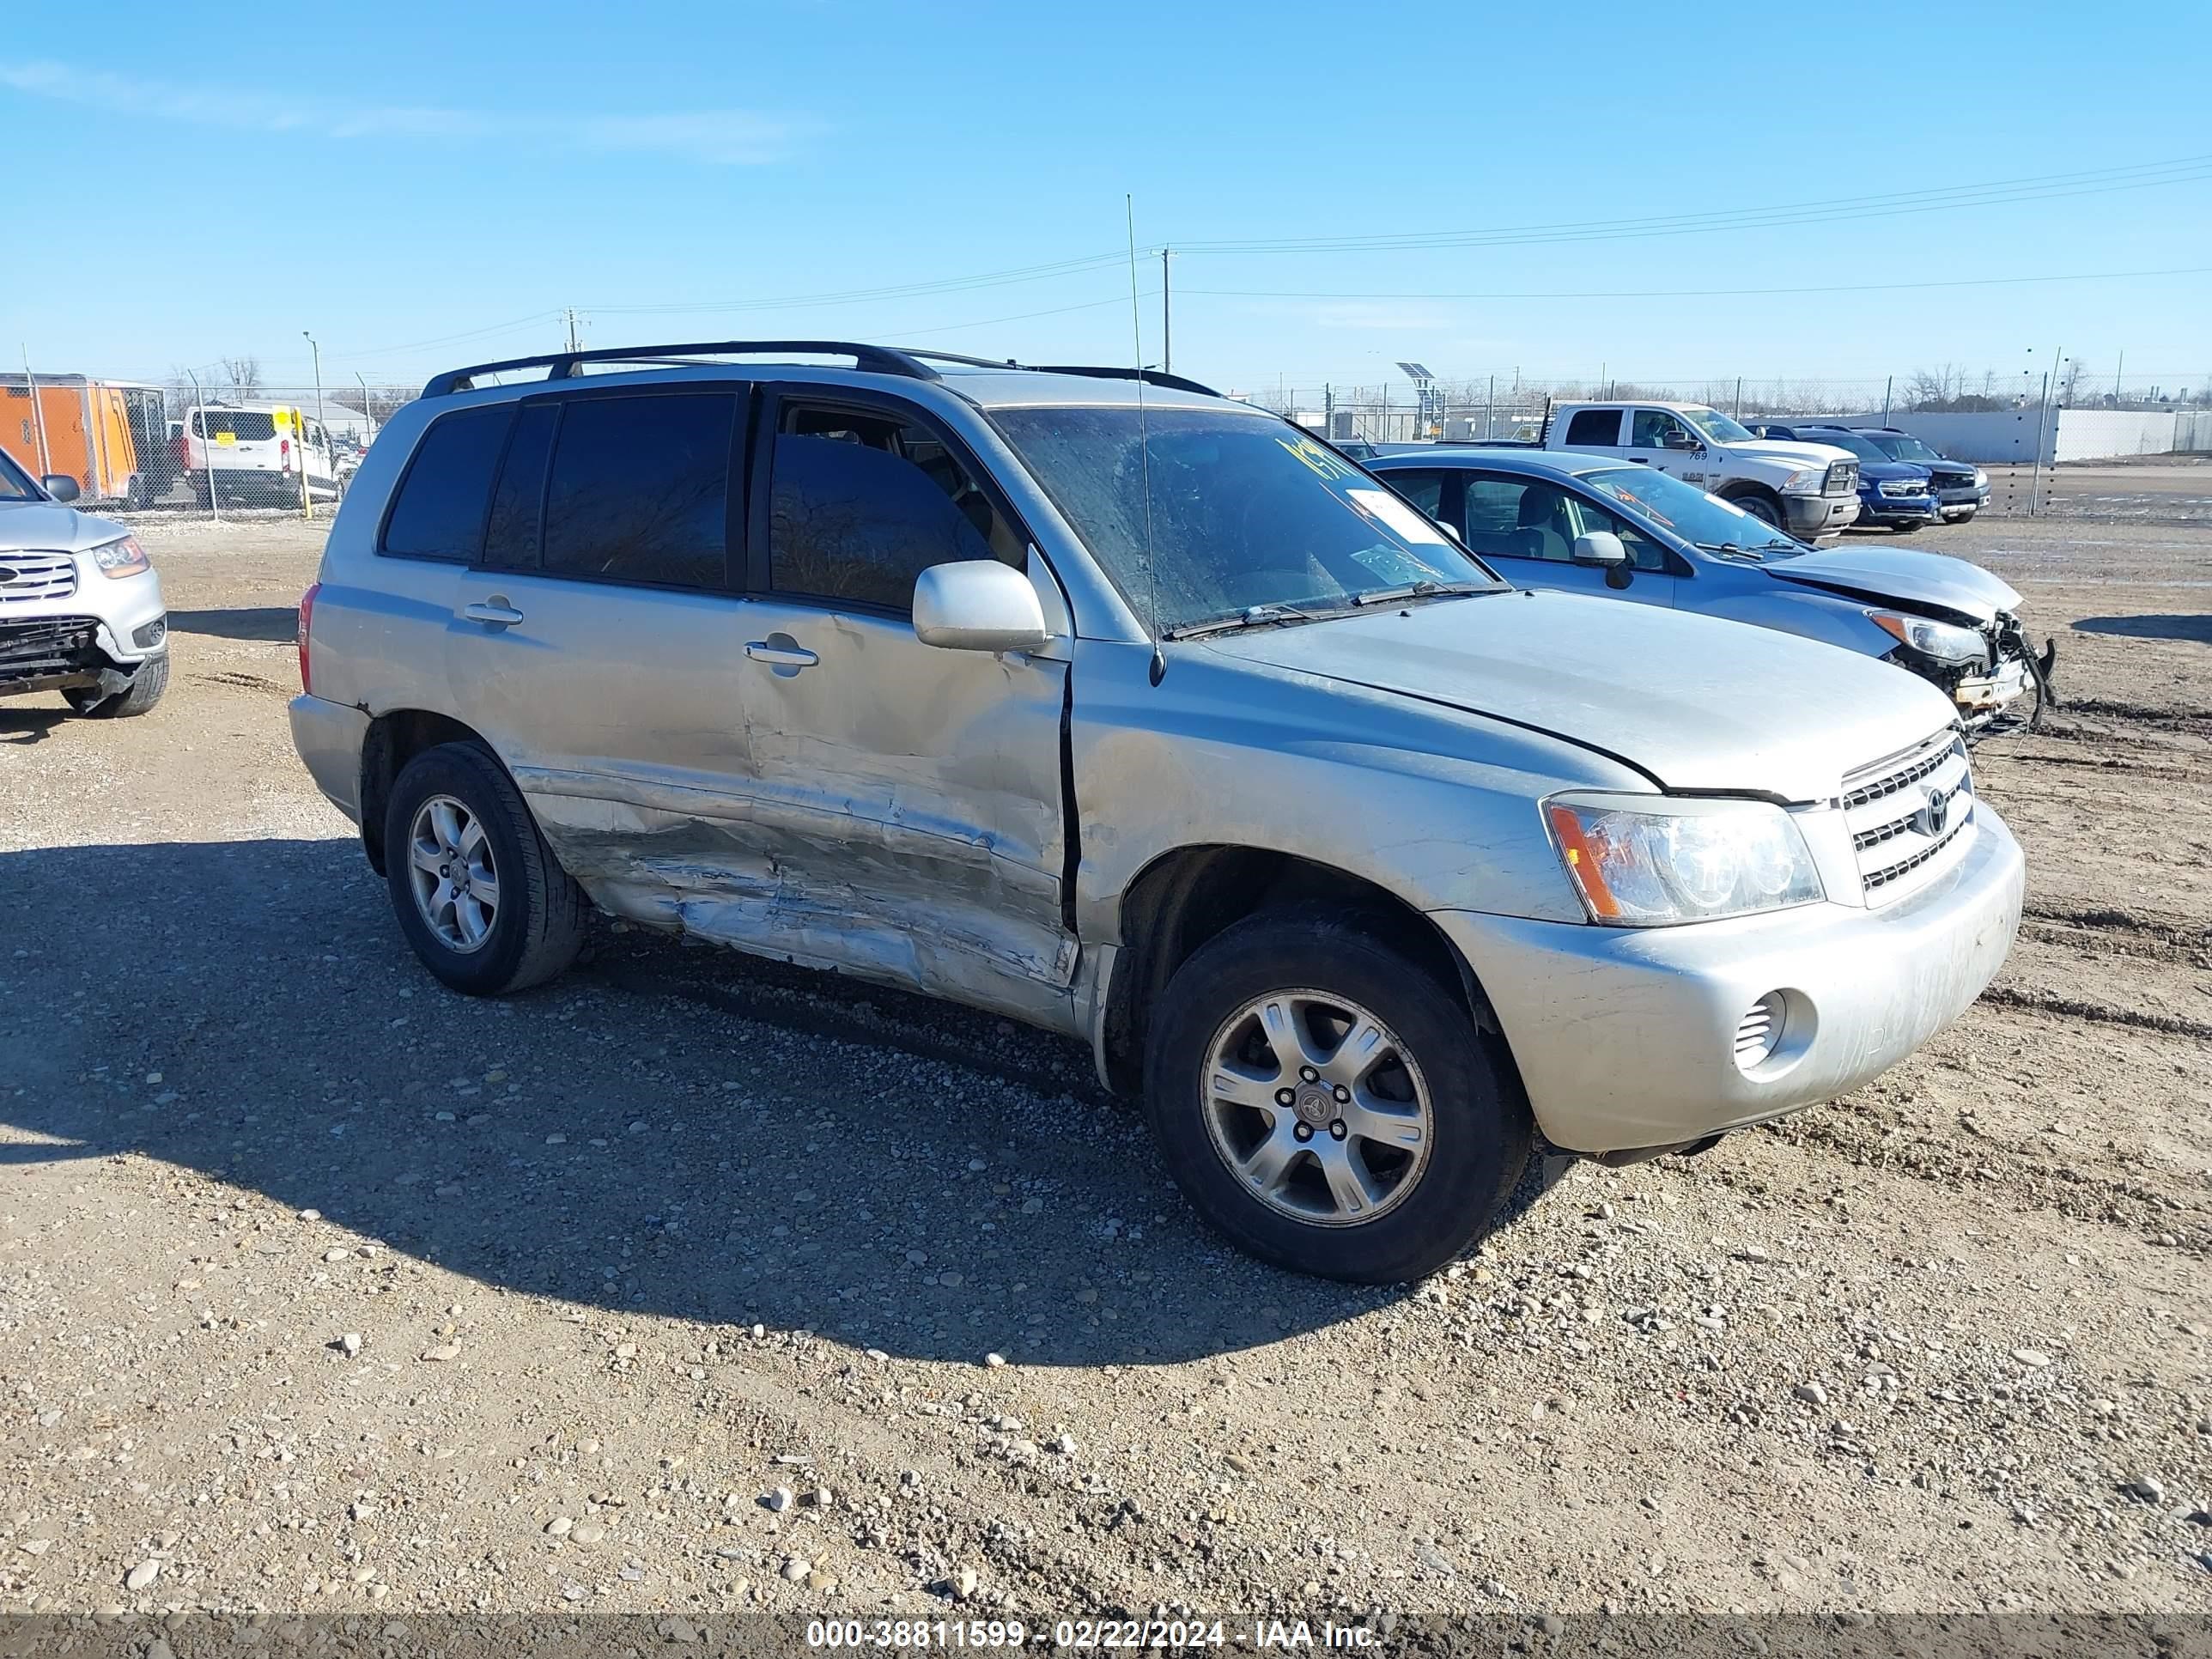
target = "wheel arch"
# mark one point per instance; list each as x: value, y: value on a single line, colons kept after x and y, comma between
x: 1190, y: 896
x: 392, y: 739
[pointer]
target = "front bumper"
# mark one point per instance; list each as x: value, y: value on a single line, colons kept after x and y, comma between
x: 1878, y: 508
x: 95, y: 636
x: 1819, y: 515
x: 329, y: 737
x: 1625, y: 1037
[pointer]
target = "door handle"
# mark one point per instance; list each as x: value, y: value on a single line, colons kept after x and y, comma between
x: 497, y: 612
x: 781, y: 656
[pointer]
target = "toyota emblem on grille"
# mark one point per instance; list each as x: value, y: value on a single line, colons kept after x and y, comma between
x: 1931, y: 817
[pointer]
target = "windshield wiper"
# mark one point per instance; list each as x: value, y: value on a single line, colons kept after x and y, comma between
x: 1733, y: 550
x: 1421, y: 590
x: 1252, y: 615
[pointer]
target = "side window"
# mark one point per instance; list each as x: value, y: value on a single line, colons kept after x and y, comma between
x: 1643, y: 553
x: 640, y: 490
x: 439, y: 513
x: 1424, y: 489
x: 860, y: 505
x: 1595, y: 426
x: 518, y: 505
x: 1517, y: 518
x: 1655, y: 428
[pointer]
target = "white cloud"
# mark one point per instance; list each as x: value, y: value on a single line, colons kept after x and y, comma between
x: 722, y: 138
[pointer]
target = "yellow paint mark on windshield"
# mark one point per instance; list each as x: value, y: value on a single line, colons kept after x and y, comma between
x: 1324, y: 464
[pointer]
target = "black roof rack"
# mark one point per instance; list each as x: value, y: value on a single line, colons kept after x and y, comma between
x: 1149, y: 376
x: 566, y: 364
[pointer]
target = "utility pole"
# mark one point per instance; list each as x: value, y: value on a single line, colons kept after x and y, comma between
x: 1167, y: 333
x: 313, y: 346
x: 571, y: 313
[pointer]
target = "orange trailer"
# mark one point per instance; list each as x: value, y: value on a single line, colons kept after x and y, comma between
x: 112, y: 436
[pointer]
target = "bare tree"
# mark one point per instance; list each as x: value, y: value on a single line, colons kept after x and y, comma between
x: 244, y: 374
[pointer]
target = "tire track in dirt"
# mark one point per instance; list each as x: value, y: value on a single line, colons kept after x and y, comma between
x: 2100, y: 929
x: 2049, y: 1002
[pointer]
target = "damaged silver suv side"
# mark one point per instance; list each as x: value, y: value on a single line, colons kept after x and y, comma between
x: 1138, y: 713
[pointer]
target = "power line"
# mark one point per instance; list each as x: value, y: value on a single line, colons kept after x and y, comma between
x: 2181, y: 170
x: 1692, y: 293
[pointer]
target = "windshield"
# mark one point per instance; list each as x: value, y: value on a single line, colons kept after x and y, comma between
x: 246, y: 426
x: 1902, y: 446
x: 1701, y: 519
x: 16, y: 484
x: 1716, y: 426
x: 1838, y: 438
x: 1246, y: 513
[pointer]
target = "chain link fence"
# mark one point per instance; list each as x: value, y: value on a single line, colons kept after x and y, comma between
x: 219, y: 440
x: 1510, y: 407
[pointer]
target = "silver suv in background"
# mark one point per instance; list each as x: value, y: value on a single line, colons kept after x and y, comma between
x: 81, y: 610
x: 1102, y: 702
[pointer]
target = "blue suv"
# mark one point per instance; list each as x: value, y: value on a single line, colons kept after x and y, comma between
x: 1896, y: 494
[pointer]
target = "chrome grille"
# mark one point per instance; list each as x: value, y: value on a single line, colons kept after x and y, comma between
x: 25, y: 577
x: 1903, y: 487
x: 1910, y: 816
x: 1843, y: 478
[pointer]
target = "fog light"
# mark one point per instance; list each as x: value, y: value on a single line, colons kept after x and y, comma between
x: 1758, y: 1033
x: 151, y: 634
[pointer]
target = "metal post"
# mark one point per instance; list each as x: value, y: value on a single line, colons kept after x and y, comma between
x: 2119, y: 374
x: 38, y: 414
x: 1167, y: 337
x: 1739, y: 396
x: 1490, y: 412
x: 368, y: 409
x: 1329, y: 411
x: 2042, y: 421
x: 1888, y: 387
x: 207, y: 442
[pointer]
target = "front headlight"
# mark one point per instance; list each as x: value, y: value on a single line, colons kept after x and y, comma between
x: 1634, y: 867
x: 120, y: 558
x: 1981, y: 478
x: 1942, y: 640
x: 1810, y: 478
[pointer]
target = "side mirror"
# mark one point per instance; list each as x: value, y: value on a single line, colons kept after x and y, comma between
x: 60, y: 486
x: 1679, y: 440
x: 977, y: 605
x: 1600, y: 546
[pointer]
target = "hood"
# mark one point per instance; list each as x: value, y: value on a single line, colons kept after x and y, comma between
x: 1898, y: 574
x: 50, y: 527
x: 1700, y: 704
x: 1776, y: 449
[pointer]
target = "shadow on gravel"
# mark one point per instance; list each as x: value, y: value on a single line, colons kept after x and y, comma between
x: 2197, y: 629
x: 273, y: 624
x: 22, y: 726
x: 669, y: 1130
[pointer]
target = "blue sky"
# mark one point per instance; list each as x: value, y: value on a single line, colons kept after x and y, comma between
x: 393, y: 176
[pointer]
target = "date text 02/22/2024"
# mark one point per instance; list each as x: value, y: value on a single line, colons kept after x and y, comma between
x: 1082, y: 1634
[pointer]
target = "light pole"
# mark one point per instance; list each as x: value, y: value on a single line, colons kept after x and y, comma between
x: 317, y: 350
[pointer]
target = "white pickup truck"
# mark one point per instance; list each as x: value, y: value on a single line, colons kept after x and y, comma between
x: 1810, y: 490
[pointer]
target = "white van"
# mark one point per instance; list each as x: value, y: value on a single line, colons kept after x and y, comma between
x: 258, y: 454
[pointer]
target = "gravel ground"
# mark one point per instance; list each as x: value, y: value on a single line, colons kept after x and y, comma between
x: 673, y: 1288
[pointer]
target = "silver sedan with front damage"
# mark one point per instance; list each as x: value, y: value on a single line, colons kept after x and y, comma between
x: 1138, y: 713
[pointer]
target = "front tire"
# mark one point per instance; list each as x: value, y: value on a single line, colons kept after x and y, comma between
x: 477, y: 892
x: 1763, y: 507
x: 1327, y: 1103
x: 145, y: 689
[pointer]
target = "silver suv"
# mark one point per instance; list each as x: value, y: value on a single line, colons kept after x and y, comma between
x: 1128, y: 710
x: 81, y: 609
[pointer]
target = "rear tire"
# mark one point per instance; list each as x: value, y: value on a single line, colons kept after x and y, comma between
x: 1236, y: 1024
x: 535, y: 924
x: 144, y: 690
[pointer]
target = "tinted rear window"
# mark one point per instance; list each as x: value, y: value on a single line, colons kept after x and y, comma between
x: 1595, y: 426
x: 440, y: 511
x: 511, y: 542
x: 248, y: 426
x: 640, y: 490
